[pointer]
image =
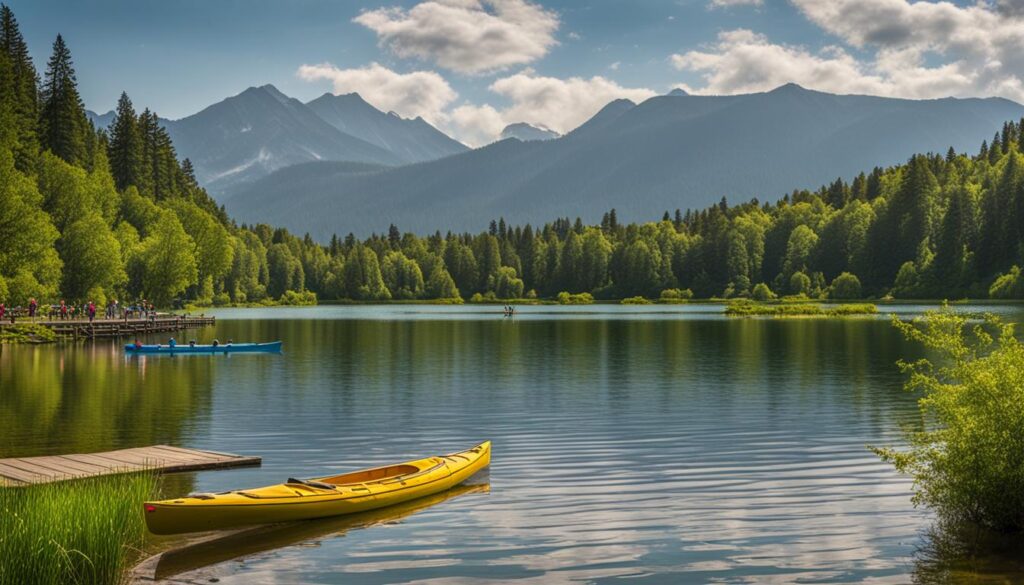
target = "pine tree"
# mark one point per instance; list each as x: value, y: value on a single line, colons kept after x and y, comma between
x: 63, y: 126
x: 24, y: 94
x: 125, y: 150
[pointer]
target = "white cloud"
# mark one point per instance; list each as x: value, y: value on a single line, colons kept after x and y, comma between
x: 743, y: 61
x: 420, y: 93
x: 477, y: 125
x: 728, y: 3
x: 467, y: 36
x: 550, y: 102
x: 918, y: 50
x: 615, y: 66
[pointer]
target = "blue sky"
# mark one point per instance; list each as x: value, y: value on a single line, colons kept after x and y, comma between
x: 553, y: 63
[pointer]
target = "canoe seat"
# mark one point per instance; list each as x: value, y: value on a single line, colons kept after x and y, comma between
x: 312, y: 483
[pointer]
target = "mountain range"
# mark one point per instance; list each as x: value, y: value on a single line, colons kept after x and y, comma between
x: 668, y: 152
x: 250, y: 135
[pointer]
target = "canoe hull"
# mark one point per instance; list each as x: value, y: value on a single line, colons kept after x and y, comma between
x: 247, y: 507
x: 272, y: 347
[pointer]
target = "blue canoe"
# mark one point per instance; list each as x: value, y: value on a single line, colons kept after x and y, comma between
x: 274, y: 346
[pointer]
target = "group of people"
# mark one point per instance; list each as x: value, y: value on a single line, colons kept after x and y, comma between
x: 510, y: 310
x: 174, y: 343
x: 89, y: 310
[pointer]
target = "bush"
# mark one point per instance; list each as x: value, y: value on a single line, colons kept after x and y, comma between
x: 298, y: 298
x: 221, y: 299
x: 675, y: 295
x: 531, y: 294
x: 635, y: 301
x: 565, y: 298
x: 907, y: 281
x: 845, y: 286
x: 1008, y: 286
x: 966, y: 462
x: 476, y: 298
x: 799, y: 284
x: 762, y: 293
x: 508, y: 285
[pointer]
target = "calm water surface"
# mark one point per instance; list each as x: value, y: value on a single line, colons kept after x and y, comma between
x: 643, y: 443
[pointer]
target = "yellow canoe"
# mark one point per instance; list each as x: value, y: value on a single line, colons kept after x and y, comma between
x: 303, y: 499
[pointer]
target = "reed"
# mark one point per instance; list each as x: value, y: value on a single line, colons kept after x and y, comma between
x: 86, y: 531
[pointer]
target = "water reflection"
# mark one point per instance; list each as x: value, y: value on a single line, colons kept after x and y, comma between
x: 87, y: 397
x: 959, y: 553
x: 252, y: 541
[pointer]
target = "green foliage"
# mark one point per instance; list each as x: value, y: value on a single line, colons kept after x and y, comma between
x: 508, y: 286
x: 635, y: 301
x: 747, y: 308
x: 92, y: 258
x: 1008, y: 286
x: 442, y: 286
x: 675, y: 295
x: 26, y: 333
x: 80, y: 532
x: 362, y: 277
x: 846, y: 286
x: 565, y: 298
x: 167, y: 260
x: 799, y: 284
x: 966, y: 460
x: 64, y: 128
x: 28, y: 258
x: 402, y: 276
x: 298, y: 298
x: 761, y: 292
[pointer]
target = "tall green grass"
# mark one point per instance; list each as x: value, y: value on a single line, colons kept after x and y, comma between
x: 79, y: 532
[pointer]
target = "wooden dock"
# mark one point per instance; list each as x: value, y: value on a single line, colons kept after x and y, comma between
x: 18, y: 471
x: 84, y: 329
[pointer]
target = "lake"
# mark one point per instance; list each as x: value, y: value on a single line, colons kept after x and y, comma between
x: 655, y: 444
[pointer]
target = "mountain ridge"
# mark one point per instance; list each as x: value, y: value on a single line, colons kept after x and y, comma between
x: 249, y: 135
x: 674, y: 151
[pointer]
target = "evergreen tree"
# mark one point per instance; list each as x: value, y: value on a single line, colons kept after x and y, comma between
x: 21, y: 81
x: 125, y: 149
x: 64, y: 129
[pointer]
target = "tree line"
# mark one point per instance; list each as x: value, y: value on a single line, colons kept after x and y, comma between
x: 95, y: 214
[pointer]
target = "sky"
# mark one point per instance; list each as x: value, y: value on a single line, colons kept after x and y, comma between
x: 470, y: 67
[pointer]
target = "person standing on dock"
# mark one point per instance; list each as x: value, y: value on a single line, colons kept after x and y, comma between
x: 63, y: 310
x: 3, y: 309
x: 32, y: 305
x: 91, y: 310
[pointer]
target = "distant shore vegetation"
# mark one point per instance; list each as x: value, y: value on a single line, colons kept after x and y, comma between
x: 92, y: 214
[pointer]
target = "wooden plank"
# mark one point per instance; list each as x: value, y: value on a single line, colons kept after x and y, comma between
x: 193, y: 453
x: 173, y: 455
x: 109, y: 464
x: 20, y: 474
x: 160, y: 458
x: 57, y: 462
x: 58, y: 467
x: 37, y: 469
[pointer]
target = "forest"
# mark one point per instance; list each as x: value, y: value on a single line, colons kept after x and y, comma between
x: 97, y: 214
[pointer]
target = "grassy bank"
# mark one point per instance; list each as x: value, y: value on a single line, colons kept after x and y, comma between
x: 27, y: 333
x: 752, y: 309
x: 80, y: 532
